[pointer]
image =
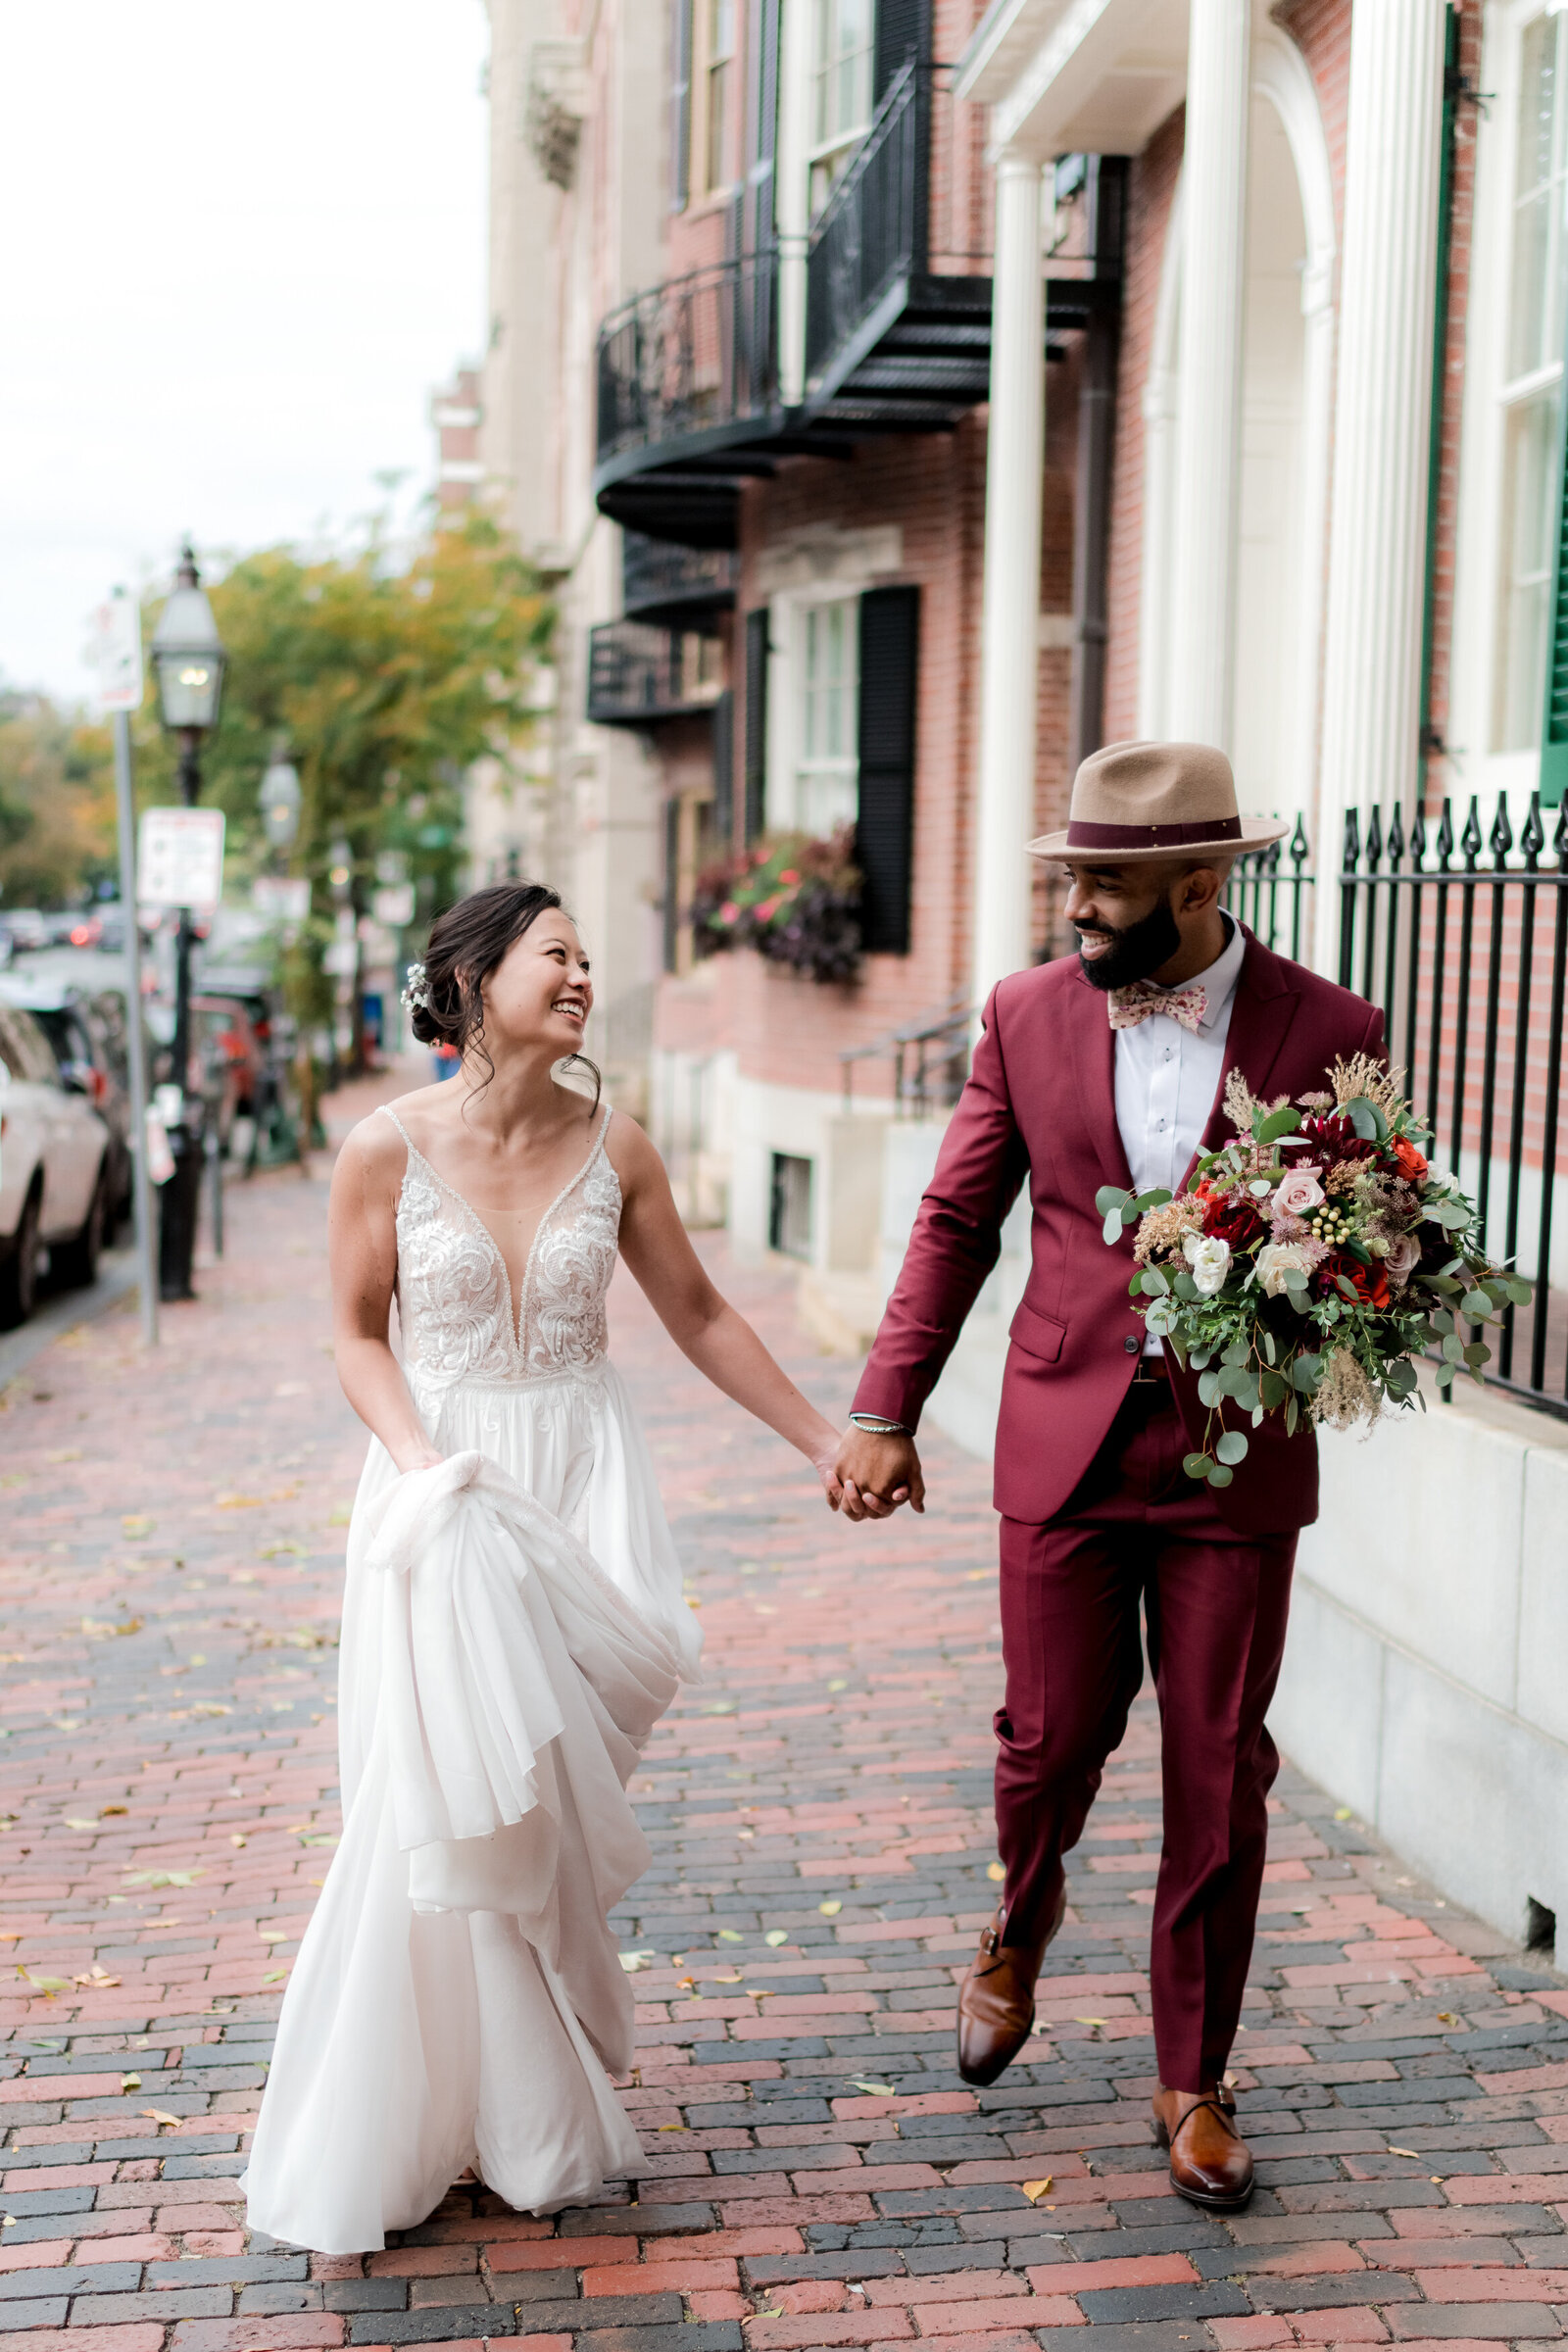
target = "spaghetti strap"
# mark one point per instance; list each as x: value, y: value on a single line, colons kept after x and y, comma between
x: 390, y: 1113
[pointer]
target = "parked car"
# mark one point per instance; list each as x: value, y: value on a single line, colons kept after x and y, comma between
x: 54, y: 1169
x: 27, y: 926
x: 87, y: 1033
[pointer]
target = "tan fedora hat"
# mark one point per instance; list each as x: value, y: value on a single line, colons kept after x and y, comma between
x: 1135, y: 801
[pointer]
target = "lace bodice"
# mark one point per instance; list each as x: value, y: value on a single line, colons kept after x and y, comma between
x: 455, y: 1302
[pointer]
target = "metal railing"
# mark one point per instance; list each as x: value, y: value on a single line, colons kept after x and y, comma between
x: 638, y: 675
x: 1469, y: 965
x: 657, y: 576
x: 1267, y: 890
x: 694, y: 355
x: 912, y: 201
x: 930, y: 1059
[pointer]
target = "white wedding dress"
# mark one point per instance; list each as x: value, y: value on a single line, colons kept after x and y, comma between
x: 513, y: 1629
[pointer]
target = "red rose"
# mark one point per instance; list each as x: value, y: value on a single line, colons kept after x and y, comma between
x: 1231, y: 1218
x: 1369, y: 1283
x: 1407, y: 1159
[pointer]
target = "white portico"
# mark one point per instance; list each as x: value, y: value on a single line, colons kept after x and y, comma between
x: 1250, y: 634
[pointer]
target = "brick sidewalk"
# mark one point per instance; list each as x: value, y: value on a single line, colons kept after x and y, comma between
x: 820, y: 1812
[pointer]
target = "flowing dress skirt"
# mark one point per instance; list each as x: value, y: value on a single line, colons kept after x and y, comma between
x: 513, y: 1629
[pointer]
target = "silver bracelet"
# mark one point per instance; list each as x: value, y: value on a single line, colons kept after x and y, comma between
x: 874, y: 1426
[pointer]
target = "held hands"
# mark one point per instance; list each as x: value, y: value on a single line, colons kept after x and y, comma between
x: 875, y: 1474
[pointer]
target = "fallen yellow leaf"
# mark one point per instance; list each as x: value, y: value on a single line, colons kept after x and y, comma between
x: 106, y: 1811
x: 775, y: 1937
x: 273, y: 1974
x: 830, y: 1910
x: 161, y: 2115
x: 877, y: 2090
x: 1412, y: 2152
x: 239, y: 1503
x: 130, y: 2082
x: 1034, y: 2191
x: 73, y: 1823
x: 994, y: 1869
x: 1088, y: 2021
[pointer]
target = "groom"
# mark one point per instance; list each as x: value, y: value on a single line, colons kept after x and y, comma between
x: 1107, y: 1068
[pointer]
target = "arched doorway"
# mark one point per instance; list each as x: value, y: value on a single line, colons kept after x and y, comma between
x: 1286, y: 394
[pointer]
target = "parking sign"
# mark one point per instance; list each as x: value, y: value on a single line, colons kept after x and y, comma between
x: 179, y: 857
x: 116, y: 652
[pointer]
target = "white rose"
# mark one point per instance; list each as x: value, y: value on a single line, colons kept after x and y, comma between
x: 1209, y: 1260
x: 1275, y: 1261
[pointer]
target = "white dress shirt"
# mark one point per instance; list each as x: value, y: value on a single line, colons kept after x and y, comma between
x: 1167, y: 1078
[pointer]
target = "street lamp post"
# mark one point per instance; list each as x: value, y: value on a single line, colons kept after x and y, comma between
x: 281, y: 803
x: 188, y: 655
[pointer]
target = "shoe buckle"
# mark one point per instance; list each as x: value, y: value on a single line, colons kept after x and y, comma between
x: 991, y: 1944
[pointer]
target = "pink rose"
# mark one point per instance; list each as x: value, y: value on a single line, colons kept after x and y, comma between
x: 1296, y: 1192
x: 1400, y: 1258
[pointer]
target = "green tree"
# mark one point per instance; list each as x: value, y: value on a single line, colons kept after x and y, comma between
x: 386, y: 678
x: 57, y: 803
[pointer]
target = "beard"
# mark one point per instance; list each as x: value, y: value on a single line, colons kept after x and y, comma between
x: 1136, y: 953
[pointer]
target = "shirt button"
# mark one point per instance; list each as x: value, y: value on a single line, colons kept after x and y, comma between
x: 1131, y: 1345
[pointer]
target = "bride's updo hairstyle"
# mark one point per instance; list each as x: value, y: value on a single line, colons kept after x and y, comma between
x: 466, y: 945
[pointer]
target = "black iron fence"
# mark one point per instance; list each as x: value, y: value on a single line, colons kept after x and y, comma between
x: 1468, y: 961
x: 910, y: 203
x: 695, y: 355
x: 1270, y: 891
x: 929, y: 1059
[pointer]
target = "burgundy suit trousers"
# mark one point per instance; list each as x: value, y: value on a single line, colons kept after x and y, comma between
x: 1137, y: 1529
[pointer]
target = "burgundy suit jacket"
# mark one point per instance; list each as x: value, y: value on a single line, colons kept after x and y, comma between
x: 1039, y: 1108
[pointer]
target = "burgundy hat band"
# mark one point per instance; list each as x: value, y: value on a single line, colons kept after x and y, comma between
x: 1082, y: 836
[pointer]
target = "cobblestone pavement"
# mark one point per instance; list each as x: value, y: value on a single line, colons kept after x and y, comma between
x: 819, y: 1813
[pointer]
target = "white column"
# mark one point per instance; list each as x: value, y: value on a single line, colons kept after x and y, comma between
x: 1009, y: 656
x: 1377, y: 546
x: 1208, y: 430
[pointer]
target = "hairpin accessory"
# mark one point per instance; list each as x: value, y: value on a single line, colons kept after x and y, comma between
x: 416, y: 990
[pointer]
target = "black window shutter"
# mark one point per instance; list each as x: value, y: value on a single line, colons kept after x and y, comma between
x: 901, y: 25
x: 725, y: 769
x: 680, y: 106
x: 890, y: 641
x: 756, y: 811
x: 1554, y: 716
x: 671, y: 909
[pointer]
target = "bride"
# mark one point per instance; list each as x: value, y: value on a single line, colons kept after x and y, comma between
x: 512, y: 1622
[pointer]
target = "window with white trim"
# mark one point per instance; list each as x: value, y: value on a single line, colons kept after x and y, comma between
x: 720, y: 79
x: 841, y: 89
x: 826, y: 761
x: 1530, y: 396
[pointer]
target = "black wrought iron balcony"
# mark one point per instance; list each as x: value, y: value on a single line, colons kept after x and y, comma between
x: 688, y: 376
x: 680, y: 586
x: 640, y: 676
x: 897, y: 299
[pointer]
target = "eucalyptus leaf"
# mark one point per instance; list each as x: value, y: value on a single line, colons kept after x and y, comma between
x: 1454, y: 1349
x: 1366, y: 1118
x: 1273, y: 1390
x: 1184, y: 1286
x: 1155, y: 1197
x: 1258, y: 1416
x: 1236, y: 1352
x: 1232, y: 1447
x: 1475, y: 1306
x: 1291, y: 1416
x: 1306, y: 1370
x: 1154, y: 1283
x: 1196, y: 1465
x: 1268, y: 1345
x: 1200, y: 1357
x: 1111, y: 1196
x: 1477, y: 1354
x: 1208, y: 1388
x: 1284, y: 1121
x: 1219, y: 1475
x: 1249, y: 1395
x: 1519, y: 1291
x: 1112, y: 1229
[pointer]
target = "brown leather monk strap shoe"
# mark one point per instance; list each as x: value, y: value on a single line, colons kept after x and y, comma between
x: 1210, y: 2164
x: 997, y: 1998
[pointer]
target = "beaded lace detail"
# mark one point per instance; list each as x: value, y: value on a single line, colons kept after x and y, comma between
x: 454, y: 1298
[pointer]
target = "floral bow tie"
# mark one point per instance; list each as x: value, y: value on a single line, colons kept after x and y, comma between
x: 1142, y: 1000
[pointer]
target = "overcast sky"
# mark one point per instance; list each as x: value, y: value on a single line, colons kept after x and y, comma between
x: 240, y: 247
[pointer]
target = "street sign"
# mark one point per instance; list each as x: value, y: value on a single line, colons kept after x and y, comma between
x: 393, y: 905
x: 116, y: 652
x: 179, y: 857
x: 282, y: 897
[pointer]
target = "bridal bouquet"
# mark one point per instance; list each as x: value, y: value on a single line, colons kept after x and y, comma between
x: 1310, y: 1261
